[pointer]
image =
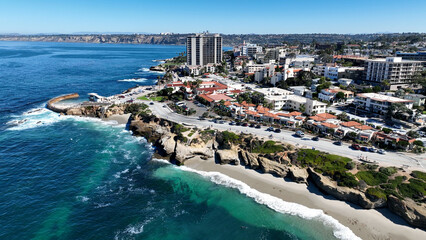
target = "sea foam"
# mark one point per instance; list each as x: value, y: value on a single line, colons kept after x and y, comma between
x: 133, y: 80
x: 339, y: 231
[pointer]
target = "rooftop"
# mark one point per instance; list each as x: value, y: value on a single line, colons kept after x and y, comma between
x: 382, y: 98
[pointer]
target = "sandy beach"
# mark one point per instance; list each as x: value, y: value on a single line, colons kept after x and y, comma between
x: 120, y: 119
x: 365, y: 223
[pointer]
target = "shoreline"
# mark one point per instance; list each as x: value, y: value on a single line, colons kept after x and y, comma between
x: 365, y: 223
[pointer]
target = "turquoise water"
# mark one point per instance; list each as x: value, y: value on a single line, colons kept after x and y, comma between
x: 74, y: 178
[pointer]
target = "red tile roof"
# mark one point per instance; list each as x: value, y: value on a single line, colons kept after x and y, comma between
x: 326, y: 116
x: 363, y: 127
x: 295, y: 113
x: 329, y: 125
x: 215, y: 97
x: 262, y: 109
x: 350, y: 124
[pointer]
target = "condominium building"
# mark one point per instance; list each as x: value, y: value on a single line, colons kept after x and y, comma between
x: 283, y: 99
x: 397, y: 71
x: 251, y: 49
x: 418, y: 56
x: 378, y: 103
x: 203, y: 49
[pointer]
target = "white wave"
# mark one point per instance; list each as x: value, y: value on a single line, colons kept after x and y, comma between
x: 82, y: 198
x: 133, y: 80
x: 102, y: 205
x: 146, y: 70
x: 161, y: 160
x: 340, y: 231
x: 33, y: 119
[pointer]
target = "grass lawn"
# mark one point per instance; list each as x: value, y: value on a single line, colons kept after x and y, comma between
x: 151, y: 99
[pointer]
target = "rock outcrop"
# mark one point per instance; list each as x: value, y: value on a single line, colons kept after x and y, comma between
x: 252, y: 160
x: 299, y: 175
x: 343, y: 193
x: 228, y: 157
x: 413, y: 213
x: 273, y: 167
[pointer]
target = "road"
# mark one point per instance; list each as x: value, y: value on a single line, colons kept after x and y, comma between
x: 406, y: 160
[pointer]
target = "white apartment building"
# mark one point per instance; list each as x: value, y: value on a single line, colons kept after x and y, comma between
x: 251, y: 49
x: 378, y: 103
x: 397, y: 71
x: 283, y: 99
x: 203, y: 49
x: 329, y: 94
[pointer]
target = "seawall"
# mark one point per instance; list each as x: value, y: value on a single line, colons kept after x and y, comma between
x: 51, y: 103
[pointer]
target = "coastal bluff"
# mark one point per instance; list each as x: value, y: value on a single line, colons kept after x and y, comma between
x: 179, y: 143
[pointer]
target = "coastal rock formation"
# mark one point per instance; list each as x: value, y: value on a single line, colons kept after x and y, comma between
x: 299, y: 175
x: 227, y: 157
x: 252, y: 160
x: 343, y: 193
x: 168, y: 144
x: 273, y: 167
x: 414, y: 213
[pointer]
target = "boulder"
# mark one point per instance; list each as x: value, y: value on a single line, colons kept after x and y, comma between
x: 299, y: 175
x: 168, y: 143
x: 228, y: 157
x: 343, y: 193
x: 273, y: 167
x: 243, y: 158
x: 74, y: 111
x: 252, y: 160
x: 412, y: 212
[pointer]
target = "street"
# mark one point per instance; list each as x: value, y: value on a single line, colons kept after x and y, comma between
x: 397, y: 159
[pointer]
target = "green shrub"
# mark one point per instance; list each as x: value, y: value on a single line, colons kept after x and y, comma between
x: 268, y: 147
x: 418, y: 174
x: 386, y: 130
x: 388, y: 170
x: 375, y: 194
x: 372, y: 178
x: 416, y: 189
x: 329, y: 165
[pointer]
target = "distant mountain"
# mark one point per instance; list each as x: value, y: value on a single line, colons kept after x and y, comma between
x: 228, y: 39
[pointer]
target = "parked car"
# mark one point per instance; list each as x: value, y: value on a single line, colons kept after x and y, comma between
x: 372, y: 149
x: 201, y: 118
x: 300, y: 133
x: 355, y: 146
x: 381, y: 151
x: 244, y: 124
x: 238, y: 123
x: 364, y: 149
x: 252, y: 125
x: 257, y: 126
x: 270, y: 129
x: 277, y: 130
x: 315, y: 138
x: 232, y: 123
x: 151, y: 103
x: 338, y: 143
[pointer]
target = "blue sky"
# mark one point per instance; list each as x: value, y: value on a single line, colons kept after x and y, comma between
x: 222, y: 16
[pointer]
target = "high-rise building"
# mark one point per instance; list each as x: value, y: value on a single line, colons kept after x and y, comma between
x: 203, y: 49
x: 398, y: 72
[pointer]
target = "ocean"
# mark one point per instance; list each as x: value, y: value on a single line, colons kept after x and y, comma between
x: 76, y: 178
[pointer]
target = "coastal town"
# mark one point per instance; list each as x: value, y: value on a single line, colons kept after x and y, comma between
x: 213, y: 120
x: 349, y: 118
x: 366, y: 93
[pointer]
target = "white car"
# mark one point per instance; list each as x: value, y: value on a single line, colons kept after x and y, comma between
x: 381, y: 151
